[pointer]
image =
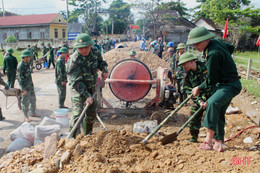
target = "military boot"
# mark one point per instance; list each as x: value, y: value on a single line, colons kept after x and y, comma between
x: 87, y: 129
x: 1, y: 115
x: 19, y: 102
x: 194, y: 135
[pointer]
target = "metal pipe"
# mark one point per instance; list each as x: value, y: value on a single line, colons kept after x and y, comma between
x: 131, y: 81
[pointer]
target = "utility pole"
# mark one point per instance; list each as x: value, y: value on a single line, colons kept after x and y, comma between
x: 3, y: 8
x: 67, y: 6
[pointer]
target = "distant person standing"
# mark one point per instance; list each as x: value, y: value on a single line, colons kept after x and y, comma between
x: 32, y: 58
x: 2, y: 82
x: 26, y: 85
x: 51, y: 56
x: 65, y: 44
x: 44, y: 54
x: 61, y: 76
x: 10, y: 67
x: 160, y: 45
x: 142, y: 45
x: 35, y: 51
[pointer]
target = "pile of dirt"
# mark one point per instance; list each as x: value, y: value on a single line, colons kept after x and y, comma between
x: 121, y: 151
x: 151, y: 60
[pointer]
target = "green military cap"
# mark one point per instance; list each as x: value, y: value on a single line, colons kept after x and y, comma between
x: 107, y: 37
x: 35, y: 44
x: 10, y: 51
x: 180, y: 46
x: 42, y: 43
x: 48, y: 44
x: 63, y: 50
x: 83, y: 40
x: 199, y: 34
x: 132, y: 52
x: 186, y: 57
x: 26, y: 53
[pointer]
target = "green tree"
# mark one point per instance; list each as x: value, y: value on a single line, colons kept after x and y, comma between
x: 242, y: 17
x: 11, y: 39
x: 119, y: 16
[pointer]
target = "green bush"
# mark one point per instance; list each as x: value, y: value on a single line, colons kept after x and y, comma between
x: 11, y: 39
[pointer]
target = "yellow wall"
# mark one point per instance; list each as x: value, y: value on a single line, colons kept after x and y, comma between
x: 59, y: 27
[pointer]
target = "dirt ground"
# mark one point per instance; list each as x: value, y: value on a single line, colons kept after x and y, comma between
x: 119, y: 149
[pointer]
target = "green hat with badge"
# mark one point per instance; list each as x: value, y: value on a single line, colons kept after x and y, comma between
x: 63, y: 50
x: 10, y: 51
x: 42, y: 43
x: 199, y: 34
x: 48, y: 44
x: 181, y: 46
x: 107, y: 37
x: 186, y: 57
x: 83, y: 40
x: 132, y: 52
x: 26, y: 53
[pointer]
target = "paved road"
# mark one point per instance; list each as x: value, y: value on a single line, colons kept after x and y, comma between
x: 46, y: 101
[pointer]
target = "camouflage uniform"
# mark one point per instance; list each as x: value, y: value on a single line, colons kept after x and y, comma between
x: 179, y: 77
x: 51, y: 57
x: 9, y: 67
x: 2, y: 82
x: 35, y: 52
x: 83, y: 75
x: 61, y: 76
x: 44, y: 51
x: 26, y: 84
x: 31, y: 60
x: 193, y: 79
x: 106, y: 46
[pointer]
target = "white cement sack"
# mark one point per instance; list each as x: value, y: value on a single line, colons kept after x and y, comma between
x: 25, y: 130
x: 145, y: 126
x: 42, y: 131
x: 18, y: 144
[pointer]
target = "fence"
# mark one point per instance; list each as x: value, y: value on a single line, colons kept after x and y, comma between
x: 248, y: 67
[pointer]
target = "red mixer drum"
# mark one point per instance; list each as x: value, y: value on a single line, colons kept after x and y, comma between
x: 130, y: 69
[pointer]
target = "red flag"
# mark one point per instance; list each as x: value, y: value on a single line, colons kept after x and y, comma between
x: 258, y: 41
x: 225, y: 30
x: 134, y: 27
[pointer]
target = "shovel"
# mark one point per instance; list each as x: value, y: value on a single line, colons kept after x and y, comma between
x: 173, y: 137
x: 84, y: 110
x: 166, y: 119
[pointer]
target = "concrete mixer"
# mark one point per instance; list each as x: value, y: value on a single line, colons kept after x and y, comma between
x: 130, y: 80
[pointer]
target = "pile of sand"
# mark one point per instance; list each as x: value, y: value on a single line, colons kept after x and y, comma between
x: 151, y: 60
x: 120, y: 151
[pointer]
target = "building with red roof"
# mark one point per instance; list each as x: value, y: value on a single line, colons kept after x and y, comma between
x: 33, y: 27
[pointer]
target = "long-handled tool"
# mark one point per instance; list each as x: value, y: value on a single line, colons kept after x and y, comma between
x: 83, y: 112
x: 166, y: 119
x: 102, y: 123
x: 173, y: 136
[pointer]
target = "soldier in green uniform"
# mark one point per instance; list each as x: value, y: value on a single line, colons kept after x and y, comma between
x: 9, y: 67
x: 178, y: 72
x: 2, y: 82
x: 44, y: 52
x: 51, y: 56
x: 26, y: 85
x: 61, y: 76
x: 196, y: 74
x: 170, y: 52
x: 106, y: 45
x: 82, y: 71
x: 222, y: 74
x: 32, y: 58
x: 35, y: 51
x: 65, y: 44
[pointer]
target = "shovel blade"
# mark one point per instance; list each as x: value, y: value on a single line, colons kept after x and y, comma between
x: 169, y: 138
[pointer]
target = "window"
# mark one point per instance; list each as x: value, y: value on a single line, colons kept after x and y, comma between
x: 16, y: 35
x: 29, y: 35
x: 63, y: 33
x: 55, y: 33
x: 42, y: 34
x: 5, y: 36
